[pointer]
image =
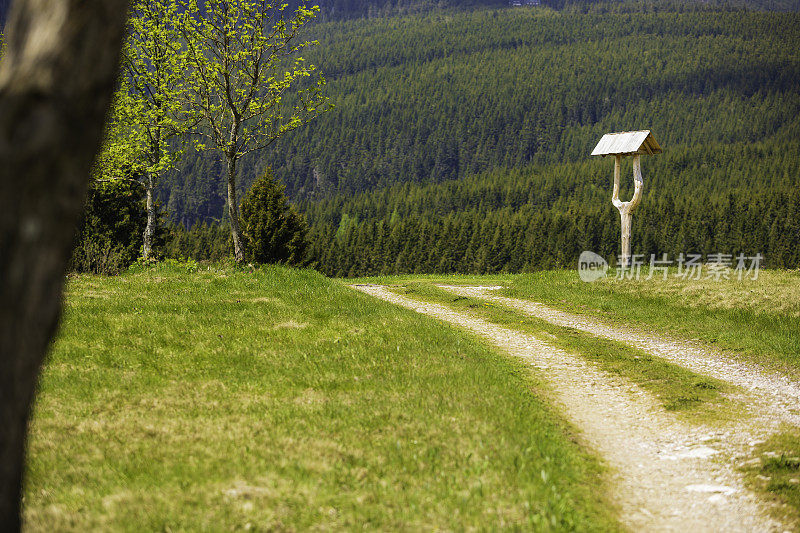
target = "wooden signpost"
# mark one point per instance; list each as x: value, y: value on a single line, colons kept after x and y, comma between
x: 622, y: 144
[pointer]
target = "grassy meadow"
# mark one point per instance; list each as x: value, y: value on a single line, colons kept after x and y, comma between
x: 184, y: 398
x: 226, y: 399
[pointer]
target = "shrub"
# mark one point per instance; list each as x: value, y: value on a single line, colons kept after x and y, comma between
x: 110, y: 235
x: 99, y: 257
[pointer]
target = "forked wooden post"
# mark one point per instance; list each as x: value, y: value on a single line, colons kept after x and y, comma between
x: 626, y: 209
x: 633, y: 143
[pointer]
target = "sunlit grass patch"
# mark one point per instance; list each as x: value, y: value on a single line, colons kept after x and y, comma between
x: 278, y: 399
x: 774, y: 292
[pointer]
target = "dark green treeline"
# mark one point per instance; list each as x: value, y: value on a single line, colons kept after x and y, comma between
x: 544, y: 217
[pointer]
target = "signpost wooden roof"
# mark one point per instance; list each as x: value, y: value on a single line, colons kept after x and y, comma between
x: 627, y: 143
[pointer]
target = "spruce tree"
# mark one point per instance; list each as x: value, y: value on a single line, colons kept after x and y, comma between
x: 273, y: 230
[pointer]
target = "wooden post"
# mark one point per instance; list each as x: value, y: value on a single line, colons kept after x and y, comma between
x: 626, y: 209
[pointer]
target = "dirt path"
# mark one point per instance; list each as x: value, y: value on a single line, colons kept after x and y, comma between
x: 668, y: 475
x: 772, y: 398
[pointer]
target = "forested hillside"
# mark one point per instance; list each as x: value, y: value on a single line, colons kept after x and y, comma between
x: 347, y: 9
x: 491, y: 116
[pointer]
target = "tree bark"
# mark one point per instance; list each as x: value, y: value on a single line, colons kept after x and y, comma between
x: 56, y: 80
x: 233, y: 211
x: 150, y: 228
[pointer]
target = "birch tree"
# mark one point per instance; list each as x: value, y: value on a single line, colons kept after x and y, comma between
x: 149, y: 115
x: 57, y: 75
x: 248, y: 81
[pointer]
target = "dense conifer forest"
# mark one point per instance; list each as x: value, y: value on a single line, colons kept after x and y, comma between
x: 460, y: 140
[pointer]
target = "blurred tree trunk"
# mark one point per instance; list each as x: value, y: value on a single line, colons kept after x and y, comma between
x: 56, y: 79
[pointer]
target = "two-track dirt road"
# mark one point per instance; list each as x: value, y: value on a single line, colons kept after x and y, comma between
x: 667, y: 474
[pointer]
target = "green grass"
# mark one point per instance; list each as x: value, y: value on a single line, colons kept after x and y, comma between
x: 696, y: 397
x: 278, y: 399
x: 774, y: 471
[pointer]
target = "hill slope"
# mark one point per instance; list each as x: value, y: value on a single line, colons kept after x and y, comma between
x: 514, y: 100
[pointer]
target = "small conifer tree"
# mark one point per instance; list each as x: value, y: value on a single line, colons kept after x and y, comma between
x: 273, y: 230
